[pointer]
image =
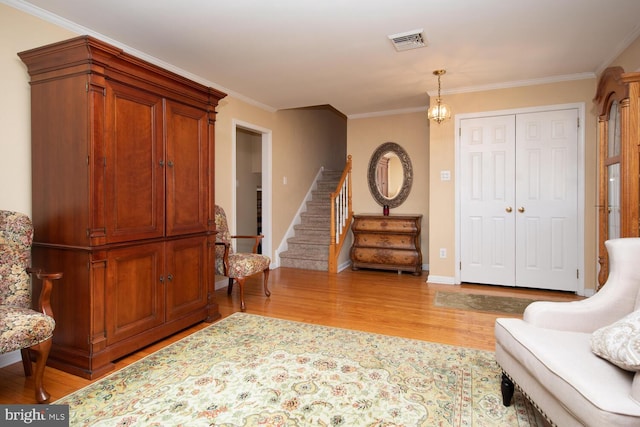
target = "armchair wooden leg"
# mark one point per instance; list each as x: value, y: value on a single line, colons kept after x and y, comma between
x: 230, y: 286
x: 267, y: 292
x: 26, y: 362
x: 240, y: 281
x: 42, y: 354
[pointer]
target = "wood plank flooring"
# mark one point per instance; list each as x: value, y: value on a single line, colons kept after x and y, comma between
x: 373, y: 301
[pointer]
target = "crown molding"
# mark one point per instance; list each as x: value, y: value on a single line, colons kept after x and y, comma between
x: 517, y: 83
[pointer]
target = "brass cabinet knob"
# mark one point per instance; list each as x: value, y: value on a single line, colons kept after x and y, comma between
x: 520, y: 209
x: 509, y: 209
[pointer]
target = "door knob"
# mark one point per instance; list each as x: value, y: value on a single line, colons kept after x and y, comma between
x: 520, y: 209
x: 508, y: 209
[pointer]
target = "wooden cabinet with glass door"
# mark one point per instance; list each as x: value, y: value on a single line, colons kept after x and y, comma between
x: 619, y: 163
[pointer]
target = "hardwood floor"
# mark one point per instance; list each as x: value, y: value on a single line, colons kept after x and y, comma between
x: 373, y: 301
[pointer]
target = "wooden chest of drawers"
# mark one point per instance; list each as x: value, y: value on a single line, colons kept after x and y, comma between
x: 387, y: 242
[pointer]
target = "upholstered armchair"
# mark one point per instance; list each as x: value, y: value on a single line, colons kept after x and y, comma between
x: 21, y: 327
x: 238, y: 266
x: 579, y: 362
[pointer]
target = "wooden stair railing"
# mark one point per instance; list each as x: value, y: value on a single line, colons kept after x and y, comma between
x: 341, y: 216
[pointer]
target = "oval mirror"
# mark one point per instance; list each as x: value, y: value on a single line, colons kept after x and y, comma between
x: 390, y: 175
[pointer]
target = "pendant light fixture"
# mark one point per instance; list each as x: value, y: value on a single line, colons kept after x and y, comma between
x: 439, y: 112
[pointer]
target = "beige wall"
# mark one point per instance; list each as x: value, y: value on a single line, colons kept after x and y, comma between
x: 629, y: 59
x: 231, y: 110
x: 18, y: 32
x: 310, y: 138
x: 411, y: 131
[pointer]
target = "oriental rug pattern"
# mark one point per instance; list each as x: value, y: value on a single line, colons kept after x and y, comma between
x: 249, y: 370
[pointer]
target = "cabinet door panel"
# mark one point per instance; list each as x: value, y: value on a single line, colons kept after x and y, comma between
x: 134, y: 300
x: 186, y: 180
x: 135, y: 175
x: 187, y: 273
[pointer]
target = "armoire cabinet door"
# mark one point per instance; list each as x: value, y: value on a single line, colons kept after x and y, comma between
x: 134, y: 164
x: 186, y: 171
x: 186, y: 276
x: 134, y: 297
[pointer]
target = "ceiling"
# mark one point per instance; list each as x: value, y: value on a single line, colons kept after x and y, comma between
x: 298, y: 53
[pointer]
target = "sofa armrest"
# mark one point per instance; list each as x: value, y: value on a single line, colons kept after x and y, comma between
x: 575, y: 316
x: 617, y: 298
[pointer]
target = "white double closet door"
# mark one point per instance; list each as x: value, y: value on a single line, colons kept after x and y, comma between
x: 519, y: 200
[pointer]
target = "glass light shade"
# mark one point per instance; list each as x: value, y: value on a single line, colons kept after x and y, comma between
x: 439, y: 112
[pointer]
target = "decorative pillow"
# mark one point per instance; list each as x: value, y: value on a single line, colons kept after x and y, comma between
x: 619, y: 343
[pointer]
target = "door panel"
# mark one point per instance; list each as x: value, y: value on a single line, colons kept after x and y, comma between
x: 487, y: 194
x: 134, y: 301
x: 186, y: 169
x: 187, y: 273
x: 546, y: 196
x: 135, y: 178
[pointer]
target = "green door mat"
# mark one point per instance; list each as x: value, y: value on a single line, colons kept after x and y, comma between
x: 489, y: 303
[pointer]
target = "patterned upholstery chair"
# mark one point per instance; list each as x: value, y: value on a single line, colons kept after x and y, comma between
x: 238, y: 266
x: 22, y: 328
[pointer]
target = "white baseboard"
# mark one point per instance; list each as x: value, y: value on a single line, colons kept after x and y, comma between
x: 221, y: 282
x: 441, y: 280
x: 10, y: 358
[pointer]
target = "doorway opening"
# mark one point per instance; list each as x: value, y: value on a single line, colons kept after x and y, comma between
x: 251, y: 171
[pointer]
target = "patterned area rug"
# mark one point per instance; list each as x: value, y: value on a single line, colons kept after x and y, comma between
x: 479, y: 302
x: 249, y: 370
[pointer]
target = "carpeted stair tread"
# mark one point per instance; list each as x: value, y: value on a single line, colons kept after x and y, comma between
x: 321, y: 241
x: 309, y: 248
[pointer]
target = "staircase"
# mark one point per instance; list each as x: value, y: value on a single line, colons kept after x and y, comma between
x: 309, y: 248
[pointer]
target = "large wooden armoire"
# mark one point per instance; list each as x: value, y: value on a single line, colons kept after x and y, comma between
x: 618, y: 105
x: 123, y: 199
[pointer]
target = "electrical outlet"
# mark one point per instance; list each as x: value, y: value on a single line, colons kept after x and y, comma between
x: 443, y: 252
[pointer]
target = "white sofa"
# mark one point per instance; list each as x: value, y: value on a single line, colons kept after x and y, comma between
x: 549, y: 354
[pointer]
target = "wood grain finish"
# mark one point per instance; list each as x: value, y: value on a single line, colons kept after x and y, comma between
x: 623, y: 88
x: 374, y: 301
x: 122, y: 199
x: 387, y: 242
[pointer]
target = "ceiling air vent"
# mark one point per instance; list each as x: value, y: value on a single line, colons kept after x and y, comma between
x: 408, y: 40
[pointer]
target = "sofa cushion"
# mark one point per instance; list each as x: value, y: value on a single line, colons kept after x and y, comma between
x: 592, y: 390
x: 619, y: 343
